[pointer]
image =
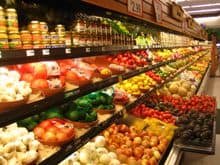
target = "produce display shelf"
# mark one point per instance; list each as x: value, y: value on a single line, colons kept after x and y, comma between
x: 12, y: 115
x: 177, y: 152
x: 75, y: 144
x: 199, y: 149
x: 19, y: 56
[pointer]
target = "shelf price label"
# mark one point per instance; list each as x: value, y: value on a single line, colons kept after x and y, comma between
x: 158, y: 11
x: 88, y: 50
x: 30, y: 53
x: 68, y: 51
x: 46, y: 52
x: 135, y: 7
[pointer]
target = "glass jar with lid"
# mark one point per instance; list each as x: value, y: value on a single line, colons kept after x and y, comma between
x: 26, y: 37
x: 75, y: 39
x: 34, y: 26
x: 54, y: 38
x: 3, y: 40
x: 37, y: 37
x: 60, y: 29
x: 12, y: 20
x: 2, y: 19
x: 14, y: 40
x: 45, y: 38
x: 79, y: 26
x: 82, y: 40
x: 43, y: 27
x: 93, y: 27
x: 99, y: 27
x: 68, y: 39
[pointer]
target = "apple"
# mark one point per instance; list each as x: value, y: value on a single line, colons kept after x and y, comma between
x: 71, y: 76
x: 28, y: 77
x: 39, y: 84
x: 26, y: 68
x: 40, y: 71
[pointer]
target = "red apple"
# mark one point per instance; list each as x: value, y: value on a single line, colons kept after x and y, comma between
x: 40, y: 71
x: 28, y: 77
x: 27, y: 68
x: 71, y: 76
x: 39, y: 84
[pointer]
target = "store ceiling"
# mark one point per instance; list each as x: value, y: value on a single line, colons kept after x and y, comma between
x: 208, y: 9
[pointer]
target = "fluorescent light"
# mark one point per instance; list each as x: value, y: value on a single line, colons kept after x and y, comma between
x: 205, y: 10
x: 211, y: 18
x: 203, y: 5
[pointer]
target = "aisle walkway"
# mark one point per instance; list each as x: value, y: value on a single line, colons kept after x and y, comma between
x: 213, y: 89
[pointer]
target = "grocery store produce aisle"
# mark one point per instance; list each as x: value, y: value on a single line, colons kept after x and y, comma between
x: 189, y: 158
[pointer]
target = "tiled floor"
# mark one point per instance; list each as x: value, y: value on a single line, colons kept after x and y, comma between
x: 213, y: 89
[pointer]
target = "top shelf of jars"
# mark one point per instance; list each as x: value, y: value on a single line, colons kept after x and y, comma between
x: 162, y: 13
x: 89, y: 35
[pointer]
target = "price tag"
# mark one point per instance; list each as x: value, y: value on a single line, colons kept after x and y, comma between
x: 158, y: 11
x: 88, y: 50
x: 68, y: 51
x: 46, y: 52
x: 135, y: 7
x: 30, y: 53
x: 103, y: 49
x: 0, y: 54
x: 120, y: 79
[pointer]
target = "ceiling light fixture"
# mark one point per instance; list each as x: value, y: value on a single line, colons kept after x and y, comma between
x: 205, y: 10
x: 203, y: 5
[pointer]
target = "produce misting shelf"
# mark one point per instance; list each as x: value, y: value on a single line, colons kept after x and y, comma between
x: 177, y: 150
x: 200, y: 149
x: 19, y: 56
x: 75, y: 144
x: 21, y: 112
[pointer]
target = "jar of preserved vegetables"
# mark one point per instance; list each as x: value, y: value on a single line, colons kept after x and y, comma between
x: 34, y: 26
x: 37, y: 37
x: 3, y: 40
x: 43, y: 27
x: 45, y: 38
x: 60, y: 29
x: 26, y: 37
x: 80, y: 26
x: 75, y: 39
x: 2, y: 20
x: 68, y: 39
x: 54, y: 38
x: 14, y: 40
x: 12, y: 20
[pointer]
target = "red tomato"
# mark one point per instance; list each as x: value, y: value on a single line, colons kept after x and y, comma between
x: 40, y: 71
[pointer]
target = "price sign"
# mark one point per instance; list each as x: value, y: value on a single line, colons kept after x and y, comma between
x: 88, y: 50
x: 68, y: 51
x: 158, y: 11
x: 46, y: 52
x: 135, y: 7
x: 30, y: 53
